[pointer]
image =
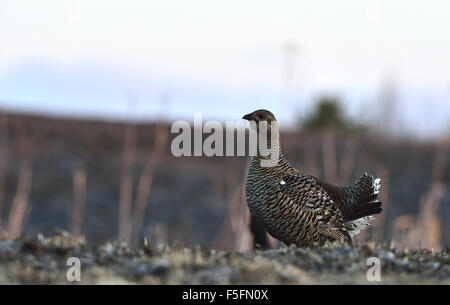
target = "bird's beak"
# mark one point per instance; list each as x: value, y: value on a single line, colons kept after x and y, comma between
x: 247, y: 117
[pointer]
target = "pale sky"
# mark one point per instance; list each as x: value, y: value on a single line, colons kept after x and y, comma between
x: 225, y: 58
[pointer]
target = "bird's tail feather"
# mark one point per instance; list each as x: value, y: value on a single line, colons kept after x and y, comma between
x: 366, y: 190
x: 355, y: 226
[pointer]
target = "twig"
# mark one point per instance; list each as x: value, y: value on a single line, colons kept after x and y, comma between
x: 3, y: 160
x: 348, y: 160
x: 146, y: 179
x: 20, y: 208
x: 79, y: 199
x: 329, y: 156
x: 126, y: 183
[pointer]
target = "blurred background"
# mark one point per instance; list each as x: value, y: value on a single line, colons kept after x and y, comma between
x: 88, y: 90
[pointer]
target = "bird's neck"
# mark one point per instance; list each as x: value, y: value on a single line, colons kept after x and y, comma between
x: 268, y: 149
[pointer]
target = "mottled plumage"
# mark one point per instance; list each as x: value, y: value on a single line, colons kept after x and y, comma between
x: 301, y: 209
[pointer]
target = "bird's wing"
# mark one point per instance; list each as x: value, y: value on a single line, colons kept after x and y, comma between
x: 322, y: 211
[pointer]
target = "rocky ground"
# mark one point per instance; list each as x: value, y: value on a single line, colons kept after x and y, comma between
x: 43, y: 260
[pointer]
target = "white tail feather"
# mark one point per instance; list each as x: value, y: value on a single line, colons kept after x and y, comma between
x: 355, y: 226
x: 376, y: 186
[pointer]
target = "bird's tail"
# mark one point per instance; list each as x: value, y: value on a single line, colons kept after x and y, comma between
x: 365, y: 195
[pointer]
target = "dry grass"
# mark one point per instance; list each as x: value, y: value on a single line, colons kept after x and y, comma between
x: 425, y: 229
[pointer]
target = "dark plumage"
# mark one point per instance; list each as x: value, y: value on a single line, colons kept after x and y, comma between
x: 301, y: 209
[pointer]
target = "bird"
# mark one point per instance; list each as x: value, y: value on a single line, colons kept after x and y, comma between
x: 300, y: 209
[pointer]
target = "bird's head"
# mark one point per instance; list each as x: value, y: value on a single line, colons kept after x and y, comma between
x: 268, y: 143
x: 260, y: 116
